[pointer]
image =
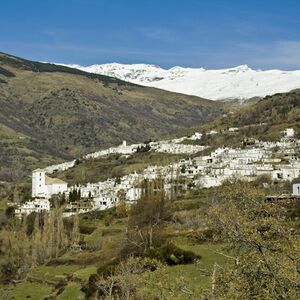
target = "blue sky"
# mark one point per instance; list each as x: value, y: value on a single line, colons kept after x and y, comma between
x: 197, y: 33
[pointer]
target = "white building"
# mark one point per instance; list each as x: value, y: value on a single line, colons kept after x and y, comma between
x: 289, y: 132
x: 196, y: 136
x: 133, y: 194
x: 233, y: 129
x: 44, y: 186
x: 36, y: 205
x: 200, y: 171
x: 296, y: 189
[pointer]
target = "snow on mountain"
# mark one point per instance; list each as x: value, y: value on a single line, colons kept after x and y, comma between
x: 240, y: 82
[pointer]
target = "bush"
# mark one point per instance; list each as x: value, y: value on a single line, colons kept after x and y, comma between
x: 91, y: 286
x: 61, y: 284
x: 151, y: 264
x: 172, y: 255
x: 111, y: 231
x: 84, y: 229
x: 204, y: 235
x: 10, y: 212
x: 109, y: 268
x: 114, y: 281
x: 8, y: 272
x: 137, y: 242
x: 108, y: 219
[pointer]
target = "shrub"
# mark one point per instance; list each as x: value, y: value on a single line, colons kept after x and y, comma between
x: 108, y: 219
x: 8, y: 272
x: 10, y: 212
x: 172, y: 255
x: 61, y: 284
x: 114, y: 280
x: 138, y: 241
x: 150, y: 264
x: 109, y: 268
x: 91, y: 287
x: 206, y: 234
x: 84, y: 229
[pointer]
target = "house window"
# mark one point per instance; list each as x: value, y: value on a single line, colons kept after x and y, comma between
x: 298, y: 190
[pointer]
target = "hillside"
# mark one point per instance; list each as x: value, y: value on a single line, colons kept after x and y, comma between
x: 240, y: 82
x: 266, y: 118
x: 195, y: 233
x: 263, y: 119
x: 51, y: 113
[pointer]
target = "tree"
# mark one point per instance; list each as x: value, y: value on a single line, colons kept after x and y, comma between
x: 35, y: 239
x: 146, y: 218
x: 75, y: 234
x: 265, y: 251
x: 10, y: 212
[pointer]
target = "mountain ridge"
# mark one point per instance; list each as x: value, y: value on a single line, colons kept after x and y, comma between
x: 239, y: 82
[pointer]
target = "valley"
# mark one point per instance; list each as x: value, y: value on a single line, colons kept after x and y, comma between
x: 173, y: 211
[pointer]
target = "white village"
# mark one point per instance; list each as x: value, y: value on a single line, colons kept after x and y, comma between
x: 278, y: 160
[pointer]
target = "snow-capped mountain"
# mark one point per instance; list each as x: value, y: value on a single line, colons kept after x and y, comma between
x: 240, y: 82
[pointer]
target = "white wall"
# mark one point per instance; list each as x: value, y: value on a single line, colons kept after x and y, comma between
x: 38, y: 184
x: 296, y: 189
x: 56, y: 188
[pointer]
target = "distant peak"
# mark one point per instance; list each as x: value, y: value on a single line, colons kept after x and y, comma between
x: 242, y: 68
x: 239, y: 82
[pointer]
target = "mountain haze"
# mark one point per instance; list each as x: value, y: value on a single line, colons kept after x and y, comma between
x: 240, y: 82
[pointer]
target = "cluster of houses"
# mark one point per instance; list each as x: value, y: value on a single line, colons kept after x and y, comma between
x: 278, y: 160
x: 174, y: 146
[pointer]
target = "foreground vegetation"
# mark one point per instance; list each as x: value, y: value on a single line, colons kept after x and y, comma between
x: 220, y: 243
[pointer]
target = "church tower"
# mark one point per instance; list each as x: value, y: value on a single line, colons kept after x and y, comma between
x: 38, y: 183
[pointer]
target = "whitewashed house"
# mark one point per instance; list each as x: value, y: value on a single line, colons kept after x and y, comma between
x: 289, y: 132
x: 133, y: 194
x: 36, y: 205
x: 196, y: 136
x: 208, y: 181
x: 296, y: 189
x: 233, y: 129
x: 60, y: 167
x: 44, y: 186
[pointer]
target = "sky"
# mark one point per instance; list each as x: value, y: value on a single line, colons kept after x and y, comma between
x: 264, y: 34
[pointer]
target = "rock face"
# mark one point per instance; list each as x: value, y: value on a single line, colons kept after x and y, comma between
x: 240, y: 82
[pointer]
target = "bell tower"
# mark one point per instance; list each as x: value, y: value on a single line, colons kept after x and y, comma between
x: 38, y: 183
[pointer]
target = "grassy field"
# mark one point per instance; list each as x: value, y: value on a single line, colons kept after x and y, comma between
x: 41, y: 282
x: 52, y: 273
x: 103, y: 240
x: 185, y: 281
x: 26, y: 290
x: 71, y: 292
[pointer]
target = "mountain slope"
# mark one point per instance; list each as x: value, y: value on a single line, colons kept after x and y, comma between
x: 51, y: 112
x: 262, y: 120
x: 236, y: 83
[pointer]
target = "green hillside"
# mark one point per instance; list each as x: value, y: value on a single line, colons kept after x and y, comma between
x: 264, y: 120
x: 52, y: 113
